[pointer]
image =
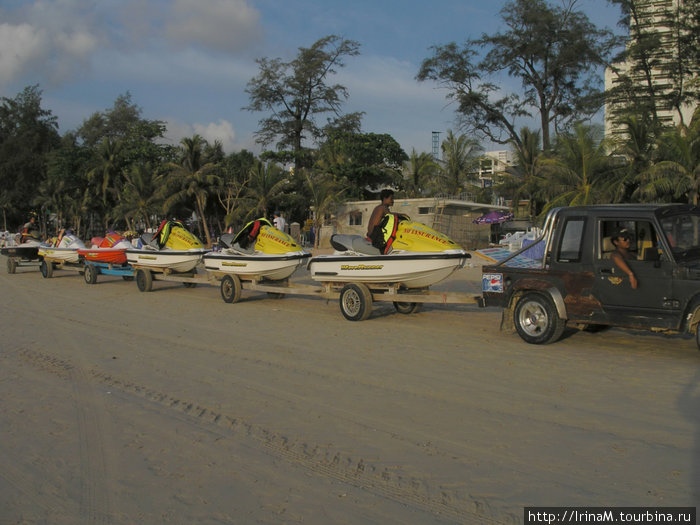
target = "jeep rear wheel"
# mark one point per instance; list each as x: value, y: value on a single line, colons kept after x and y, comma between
x: 536, y: 319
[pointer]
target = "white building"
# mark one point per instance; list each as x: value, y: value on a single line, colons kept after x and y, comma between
x: 650, y: 19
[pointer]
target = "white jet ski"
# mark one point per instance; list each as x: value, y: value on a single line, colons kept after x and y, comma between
x: 258, y: 251
x: 170, y: 249
x: 415, y: 256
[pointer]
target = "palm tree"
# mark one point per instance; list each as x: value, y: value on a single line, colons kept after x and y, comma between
x: 139, y: 199
x: 106, y: 173
x: 418, y: 172
x: 461, y: 156
x: 527, y: 179
x: 676, y: 174
x: 325, y: 192
x: 266, y: 182
x: 192, y: 180
x: 581, y: 172
x: 636, y: 146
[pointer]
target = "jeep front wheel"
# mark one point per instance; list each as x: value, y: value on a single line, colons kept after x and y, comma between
x: 536, y: 319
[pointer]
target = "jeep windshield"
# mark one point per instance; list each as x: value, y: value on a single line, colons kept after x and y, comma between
x: 683, y: 235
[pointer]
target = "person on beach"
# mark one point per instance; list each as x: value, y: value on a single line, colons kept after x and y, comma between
x: 622, y: 242
x: 279, y: 221
x: 374, y: 233
x: 30, y: 230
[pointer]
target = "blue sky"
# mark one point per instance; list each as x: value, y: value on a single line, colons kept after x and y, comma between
x: 187, y: 62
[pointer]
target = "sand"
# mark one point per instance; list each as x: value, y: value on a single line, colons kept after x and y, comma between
x: 172, y: 406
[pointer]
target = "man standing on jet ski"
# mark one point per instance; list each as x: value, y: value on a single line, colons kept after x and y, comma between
x: 374, y: 232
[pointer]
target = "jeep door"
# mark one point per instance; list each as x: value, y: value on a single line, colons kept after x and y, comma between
x: 650, y: 304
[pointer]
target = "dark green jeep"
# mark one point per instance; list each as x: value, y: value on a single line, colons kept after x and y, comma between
x: 570, y: 274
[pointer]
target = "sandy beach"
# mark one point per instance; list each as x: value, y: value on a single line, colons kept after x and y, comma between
x: 123, y: 407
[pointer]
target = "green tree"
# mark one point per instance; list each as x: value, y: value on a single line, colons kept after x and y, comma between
x: 235, y: 172
x: 419, y: 172
x: 362, y: 162
x: 675, y: 174
x: 63, y: 190
x: 192, y: 180
x: 461, y: 157
x: 295, y: 93
x: 526, y: 180
x: 580, y: 172
x: 140, y: 199
x: 267, y: 181
x: 28, y: 133
x: 555, y: 53
x: 325, y: 193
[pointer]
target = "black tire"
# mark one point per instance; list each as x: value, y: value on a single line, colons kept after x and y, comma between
x: 46, y: 269
x: 231, y: 289
x: 407, y: 308
x: 144, y: 280
x: 11, y: 265
x: 356, y: 302
x: 90, y: 274
x: 536, y: 319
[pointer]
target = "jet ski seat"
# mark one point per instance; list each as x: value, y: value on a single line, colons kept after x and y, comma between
x: 147, y: 240
x: 353, y: 243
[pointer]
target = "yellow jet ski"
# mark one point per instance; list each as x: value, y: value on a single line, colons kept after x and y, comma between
x: 172, y: 247
x: 413, y: 255
x: 258, y: 251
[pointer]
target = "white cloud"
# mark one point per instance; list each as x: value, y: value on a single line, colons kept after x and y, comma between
x: 48, y: 40
x: 221, y: 131
x: 20, y: 46
x: 228, y: 26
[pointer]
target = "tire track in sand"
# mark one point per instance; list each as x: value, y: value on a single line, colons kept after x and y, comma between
x: 94, y: 492
x: 389, y: 482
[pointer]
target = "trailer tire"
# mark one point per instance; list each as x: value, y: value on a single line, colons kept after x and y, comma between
x: 11, y: 265
x: 231, y: 289
x: 46, y: 269
x: 90, y: 274
x: 356, y: 302
x: 407, y: 308
x: 144, y: 280
x: 536, y: 319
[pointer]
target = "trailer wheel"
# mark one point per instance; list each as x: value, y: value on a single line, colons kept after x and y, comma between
x: 407, y: 308
x: 11, y: 265
x: 231, y: 289
x: 46, y: 269
x: 356, y: 302
x: 536, y: 319
x: 144, y: 280
x: 90, y: 274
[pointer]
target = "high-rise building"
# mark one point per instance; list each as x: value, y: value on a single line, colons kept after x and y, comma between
x: 648, y: 73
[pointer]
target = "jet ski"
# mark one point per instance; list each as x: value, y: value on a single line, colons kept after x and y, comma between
x: 172, y: 248
x: 258, y: 251
x: 110, y: 249
x: 63, y: 249
x: 413, y: 256
x: 28, y: 250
